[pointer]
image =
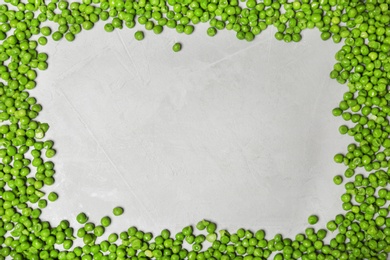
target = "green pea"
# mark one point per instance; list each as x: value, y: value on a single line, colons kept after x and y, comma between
x: 312, y: 219
x: 89, y: 226
x: 112, y: 238
x: 88, y: 239
x: 42, y: 203
x: 158, y: 29
x: 108, y: 27
x: 105, y: 221
x: 117, y: 211
x: 338, y: 179
x: 139, y: 35
x: 176, y: 47
x: 211, y: 31
x: 81, y: 232
x: 57, y: 36
x: 188, y: 29
x: 82, y: 218
x: 338, y: 158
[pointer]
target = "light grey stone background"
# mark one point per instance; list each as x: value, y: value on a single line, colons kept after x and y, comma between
x: 235, y: 132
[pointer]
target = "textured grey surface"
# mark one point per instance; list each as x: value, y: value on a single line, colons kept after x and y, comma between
x: 239, y: 133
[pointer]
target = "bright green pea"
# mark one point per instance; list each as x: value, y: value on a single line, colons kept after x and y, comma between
x: 57, y: 36
x: 53, y: 197
x: 89, y: 226
x: 117, y: 211
x: 112, y: 237
x: 139, y: 35
x: 176, y: 47
x: 108, y: 27
x: 211, y: 31
x: 338, y: 179
x: 313, y: 219
x: 88, y: 239
x: 82, y: 218
x: 338, y: 158
x: 158, y: 29
x: 105, y: 221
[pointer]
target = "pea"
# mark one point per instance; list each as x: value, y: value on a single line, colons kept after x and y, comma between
x: 313, y: 219
x: 176, y: 47
x: 117, y: 211
x: 139, y: 36
x: 82, y: 218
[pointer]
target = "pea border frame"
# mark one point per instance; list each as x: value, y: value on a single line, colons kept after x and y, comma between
x: 373, y: 233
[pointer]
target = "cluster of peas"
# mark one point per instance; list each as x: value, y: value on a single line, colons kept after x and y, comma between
x: 363, y: 64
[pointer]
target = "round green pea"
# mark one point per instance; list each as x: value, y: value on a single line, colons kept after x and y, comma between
x: 139, y: 35
x: 53, y: 197
x: 82, y: 218
x: 117, y: 211
x: 176, y: 47
x: 105, y: 221
x: 313, y: 219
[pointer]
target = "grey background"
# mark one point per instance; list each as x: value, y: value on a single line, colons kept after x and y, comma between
x: 235, y: 132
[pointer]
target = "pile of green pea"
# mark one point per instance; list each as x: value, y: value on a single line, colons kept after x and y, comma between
x: 362, y: 64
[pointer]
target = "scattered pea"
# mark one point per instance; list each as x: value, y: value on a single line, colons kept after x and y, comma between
x: 117, y: 211
x: 139, y: 35
x: 176, y: 47
x: 82, y: 218
x: 312, y: 220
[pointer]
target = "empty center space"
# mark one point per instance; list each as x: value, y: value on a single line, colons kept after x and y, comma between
x: 239, y: 133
